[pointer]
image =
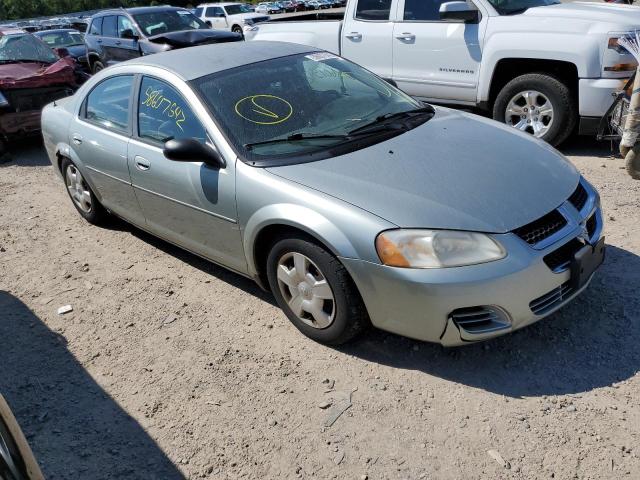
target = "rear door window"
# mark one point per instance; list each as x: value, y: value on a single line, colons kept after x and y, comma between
x: 109, y: 26
x: 374, y: 10
x: 96, y: 27
x: 108, y: 103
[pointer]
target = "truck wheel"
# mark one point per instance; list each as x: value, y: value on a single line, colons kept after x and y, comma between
x: 315, y: 291
x: 237, y: 29
x: 539, y: 104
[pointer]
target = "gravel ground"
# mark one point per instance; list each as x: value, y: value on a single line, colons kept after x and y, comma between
x: 169, y: 367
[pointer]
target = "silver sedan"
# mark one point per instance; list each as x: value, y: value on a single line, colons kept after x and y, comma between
x: 352, y: 202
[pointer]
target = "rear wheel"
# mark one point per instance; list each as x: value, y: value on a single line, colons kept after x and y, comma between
x: 315, y: 291
x: 81, y: 194
x: 539, y: 104
x: 97, y: 66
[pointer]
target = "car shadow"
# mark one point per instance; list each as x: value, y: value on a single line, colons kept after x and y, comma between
x: 590, y: 343
x: 26, y: 152
x: 74, y: 427
x: 210, y: 268
x: 588, y: 146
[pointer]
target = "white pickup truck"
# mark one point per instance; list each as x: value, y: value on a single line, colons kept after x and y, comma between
x: 542, y: 66
x: 228, y: 16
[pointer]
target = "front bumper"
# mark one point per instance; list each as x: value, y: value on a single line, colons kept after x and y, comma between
x: 597, y: 94
x: 420, y: 304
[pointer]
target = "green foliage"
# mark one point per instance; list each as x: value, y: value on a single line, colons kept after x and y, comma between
x: 17, y: 9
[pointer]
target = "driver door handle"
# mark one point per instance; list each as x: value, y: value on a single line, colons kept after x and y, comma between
x: 142, y: 164
x: 354, y: 35
x: 77, y: 139
x: 408, y: 36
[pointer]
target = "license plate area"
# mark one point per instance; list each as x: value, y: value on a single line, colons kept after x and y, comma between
x: 585, y: 262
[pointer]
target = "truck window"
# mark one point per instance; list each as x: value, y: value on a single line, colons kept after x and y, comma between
x: 96, y: 27
x: 422, y: 10
x: 373, y: 10
x: 214, y: 12
x: 109, y: 28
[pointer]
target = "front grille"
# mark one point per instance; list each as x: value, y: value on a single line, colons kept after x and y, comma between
x: 477, y: 320
x: 560, y: 259
x: 543, y: 228
x: 25, y: 99
x: 579, y: 197
x: 550, y: 300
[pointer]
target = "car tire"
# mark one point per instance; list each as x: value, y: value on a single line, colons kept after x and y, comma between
x: 77, y: 187
x: 97, y: 66
x: 237, y: 29
x: 344, y: 315
x: 532, y: 94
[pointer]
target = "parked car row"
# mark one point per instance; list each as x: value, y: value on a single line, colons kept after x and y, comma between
x: 298, y: 6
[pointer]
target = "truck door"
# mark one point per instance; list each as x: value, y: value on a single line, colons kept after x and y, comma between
x: 434, y: 58
x: 216, y: 17
x: 367, y: 34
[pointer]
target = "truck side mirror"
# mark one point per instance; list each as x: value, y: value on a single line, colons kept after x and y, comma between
x: 460, y: 11
x: 16, y: 457
x: 129, y: 34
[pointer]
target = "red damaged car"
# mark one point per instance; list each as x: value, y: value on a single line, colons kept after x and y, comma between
x: 31, y: 75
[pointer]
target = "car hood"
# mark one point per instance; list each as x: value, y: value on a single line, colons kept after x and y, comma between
x: 600, y: 12
x: 189, y: 38
x: 77, y: 50
x: 33, y: 75
x: 456, y: 171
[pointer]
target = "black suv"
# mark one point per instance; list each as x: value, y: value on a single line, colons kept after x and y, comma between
x: 117, y: 35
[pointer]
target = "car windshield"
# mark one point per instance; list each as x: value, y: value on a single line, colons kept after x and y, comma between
x: 236, y: 9
x: 157, y: 23
x: 62, y: 39
x: 24, y: 48
x: 509, y: 7
x: 281, y: 109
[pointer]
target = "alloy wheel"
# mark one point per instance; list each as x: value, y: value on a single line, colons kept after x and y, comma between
x: 530, y: 111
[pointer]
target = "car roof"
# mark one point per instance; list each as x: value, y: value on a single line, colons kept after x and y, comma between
x: 12, y: 31
x: 56, y: 30
x: 195, y: 62
x: 136, y: 10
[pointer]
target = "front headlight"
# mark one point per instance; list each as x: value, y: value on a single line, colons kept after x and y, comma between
x: 3, y: 101
x: 436, y: 248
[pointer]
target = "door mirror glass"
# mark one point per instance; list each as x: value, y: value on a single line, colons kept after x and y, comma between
x: 460, y: 11
x: 16, y: 458
x: 191, y: 150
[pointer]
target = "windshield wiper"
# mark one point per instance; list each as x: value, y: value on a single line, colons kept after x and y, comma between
x: 380, y: 123
x: 296, y: 137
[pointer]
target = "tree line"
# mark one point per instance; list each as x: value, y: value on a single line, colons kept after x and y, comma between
x: 17, y: 9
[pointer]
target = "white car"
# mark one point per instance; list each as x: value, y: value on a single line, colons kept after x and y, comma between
x: 268, y: 7
x: 228, y: 16
x: 541, y: 66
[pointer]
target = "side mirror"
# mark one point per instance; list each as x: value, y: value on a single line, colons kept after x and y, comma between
x: 191, y: 150
x: 62, y: 52
x: 460, y: 11
x: 220, y: 15
x: 128, y: 34
x: 16, y: 458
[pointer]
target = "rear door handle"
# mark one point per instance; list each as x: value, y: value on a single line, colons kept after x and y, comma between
x: 77, y: 139
x: 406, y: 36
x: 142, y: 163
x: 118, y: 42
x: 354, y: 35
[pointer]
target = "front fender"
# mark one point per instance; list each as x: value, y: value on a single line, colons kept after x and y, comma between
x: 300, y: 217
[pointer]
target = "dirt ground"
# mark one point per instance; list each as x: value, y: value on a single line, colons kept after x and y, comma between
x: 169, y: 367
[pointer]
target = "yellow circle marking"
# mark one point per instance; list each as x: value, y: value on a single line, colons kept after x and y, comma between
x: 263, y: 112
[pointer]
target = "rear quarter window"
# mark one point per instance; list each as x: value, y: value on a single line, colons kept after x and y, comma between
x: 108, y: 103
x: 96, y: 26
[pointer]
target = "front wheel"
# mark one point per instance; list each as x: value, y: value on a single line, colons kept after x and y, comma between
x: 539, y: 104
x: 315, y: 291
x: 97, y: 66
x: 237, y: 29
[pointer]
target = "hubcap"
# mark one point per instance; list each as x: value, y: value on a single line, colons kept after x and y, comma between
x: 531, y: 112
x: 78, y: 189
x: 306, y: 290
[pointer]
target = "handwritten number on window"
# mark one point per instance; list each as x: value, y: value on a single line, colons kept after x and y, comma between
x: 154, y: 99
